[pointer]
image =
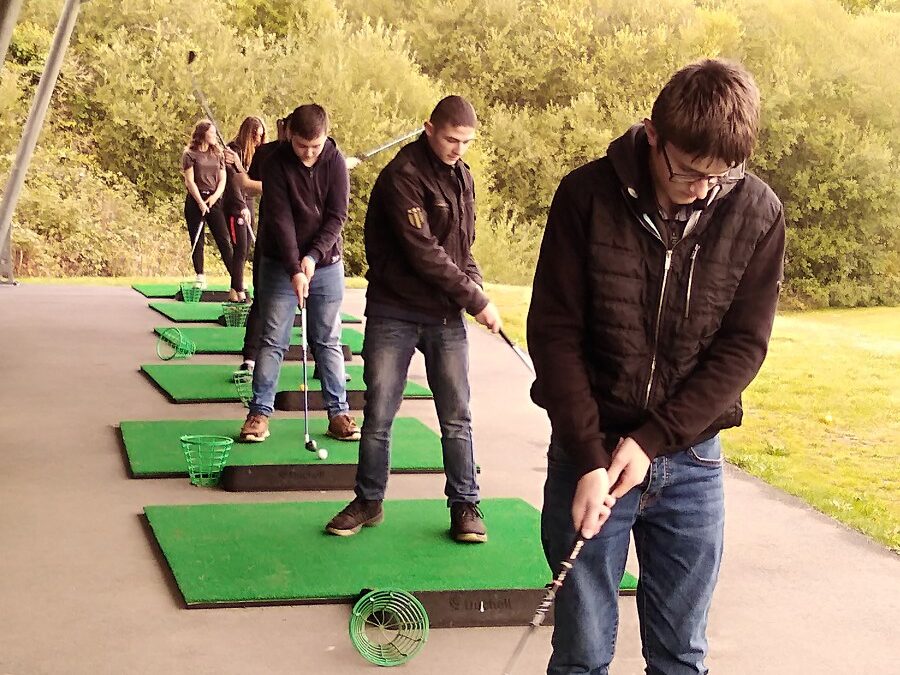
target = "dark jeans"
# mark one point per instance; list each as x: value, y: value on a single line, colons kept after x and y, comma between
x: 677, y: 516
x: 253, y: 333
x: 387, y: 350
x: 240, y: 241
x: 215, y: 221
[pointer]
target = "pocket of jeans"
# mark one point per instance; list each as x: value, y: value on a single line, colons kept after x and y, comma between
x: 708, y: 453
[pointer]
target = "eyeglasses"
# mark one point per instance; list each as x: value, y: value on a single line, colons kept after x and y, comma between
x: 733, y: 175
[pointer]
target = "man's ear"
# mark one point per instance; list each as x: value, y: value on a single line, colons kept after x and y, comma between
x: 429, y: 129
x: 652, y: 136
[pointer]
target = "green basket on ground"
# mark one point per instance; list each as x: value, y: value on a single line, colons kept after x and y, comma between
x: 206, y: 457
x: 235, y: 313
x: 190, y: 291
x: 388, y: 627
x: 243, y: 385
x: 173, y: 344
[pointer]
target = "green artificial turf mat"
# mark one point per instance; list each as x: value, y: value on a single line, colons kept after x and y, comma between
x: 154, y: 449
x: 231, y: 553
x: 201, y: 382
x: 201, y: 312
x: 278, y: 552
x: 230, y: 340
x: 169, y: 290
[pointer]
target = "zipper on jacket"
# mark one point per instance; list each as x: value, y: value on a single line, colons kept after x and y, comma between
x: 687, y: 303
x: 662, y: 297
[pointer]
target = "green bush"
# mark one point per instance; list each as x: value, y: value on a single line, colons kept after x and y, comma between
x: 553, y: 83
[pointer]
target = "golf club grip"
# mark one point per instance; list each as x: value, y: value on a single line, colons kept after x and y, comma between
x: 567, y: 565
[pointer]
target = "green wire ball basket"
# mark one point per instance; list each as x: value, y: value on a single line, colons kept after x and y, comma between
x: 206, y: 457
x: 243, y: 385
x: 388, y: 627
x: 190, y: 291
x: 173, y: 344
x: 235, y: 313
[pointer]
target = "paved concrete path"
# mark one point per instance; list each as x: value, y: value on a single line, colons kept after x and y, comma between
x: 81, y: 591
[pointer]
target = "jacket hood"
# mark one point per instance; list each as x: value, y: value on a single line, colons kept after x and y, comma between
x: 629, y: 154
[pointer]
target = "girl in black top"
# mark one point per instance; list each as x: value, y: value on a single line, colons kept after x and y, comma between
x: 250, y: 136
x: 203, y: 168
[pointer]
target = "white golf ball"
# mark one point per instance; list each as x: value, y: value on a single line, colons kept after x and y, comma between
x: 322, y: 453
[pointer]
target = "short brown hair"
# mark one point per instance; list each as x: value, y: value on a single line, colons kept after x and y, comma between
x: 709, y: 109
x: 309, y: 121
x: 454, y: 111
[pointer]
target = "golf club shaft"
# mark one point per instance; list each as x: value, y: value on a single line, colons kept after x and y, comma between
x: 201, y: 99
x: 197, y: 236
x: 391, y: 143
x: 523, y: 357
x: 305, y: 380
x: 546, y: 603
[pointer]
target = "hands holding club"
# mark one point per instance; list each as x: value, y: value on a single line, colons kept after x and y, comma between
x: 489, y: 317
x: 598, y: 490
x: 300, y: 282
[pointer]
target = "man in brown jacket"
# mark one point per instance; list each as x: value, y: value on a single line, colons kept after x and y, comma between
x: 653, y: 304
x: 420, y: 226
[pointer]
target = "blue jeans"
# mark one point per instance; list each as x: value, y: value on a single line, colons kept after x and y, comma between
x: 677, y: 515
x: 278, y: 305
x: 387, y: 350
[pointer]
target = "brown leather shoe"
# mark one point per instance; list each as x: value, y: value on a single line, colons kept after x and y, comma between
x: 466, y: 524
x: 255, y: 429
x: 356, y: 515
x: 343, y: 428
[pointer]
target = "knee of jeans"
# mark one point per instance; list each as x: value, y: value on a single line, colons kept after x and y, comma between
x: 456, y: 428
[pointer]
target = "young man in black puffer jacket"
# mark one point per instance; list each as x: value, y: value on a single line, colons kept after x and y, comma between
x: 654, y: 298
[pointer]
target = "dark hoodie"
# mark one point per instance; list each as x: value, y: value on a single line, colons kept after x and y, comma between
x: 633, y: 336
x: 304, y: 208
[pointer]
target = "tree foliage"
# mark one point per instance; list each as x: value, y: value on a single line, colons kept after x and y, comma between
x: 554, y: 81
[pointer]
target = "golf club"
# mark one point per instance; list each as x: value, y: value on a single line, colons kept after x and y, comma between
x: 374, y: 151
x: 201, y: 99
x: 522, y: 355
x: 197, y: 236
x: 309, y: 443
x: 546, y: 603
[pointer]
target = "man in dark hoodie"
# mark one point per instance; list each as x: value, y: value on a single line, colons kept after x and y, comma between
x: 653, y: 303
x: 420, y: 226
x: 306, y: 191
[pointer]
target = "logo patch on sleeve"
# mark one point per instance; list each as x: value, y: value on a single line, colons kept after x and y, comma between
x: 416, y: 217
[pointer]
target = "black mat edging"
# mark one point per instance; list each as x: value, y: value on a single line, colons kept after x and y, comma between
x: 291, y: 477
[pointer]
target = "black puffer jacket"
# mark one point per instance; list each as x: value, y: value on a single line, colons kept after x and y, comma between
x: 631, y: 338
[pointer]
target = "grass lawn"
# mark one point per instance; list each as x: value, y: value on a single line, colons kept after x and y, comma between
x: 822, y: 419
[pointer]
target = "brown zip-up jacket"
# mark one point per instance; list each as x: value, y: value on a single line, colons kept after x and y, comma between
x: 420, y: 227
x: 633, y: 336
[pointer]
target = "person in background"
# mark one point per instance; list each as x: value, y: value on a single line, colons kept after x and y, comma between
x: 419, y: 231
x: 238, y: 217
x: 203, y: 170
x: 306, y: 191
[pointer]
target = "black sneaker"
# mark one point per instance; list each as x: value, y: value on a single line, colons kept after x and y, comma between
x: 357, y: 514
x: 467, y: 524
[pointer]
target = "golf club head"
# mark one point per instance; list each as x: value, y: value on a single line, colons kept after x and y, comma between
x: 191, y: 56
x: 311, y: 445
